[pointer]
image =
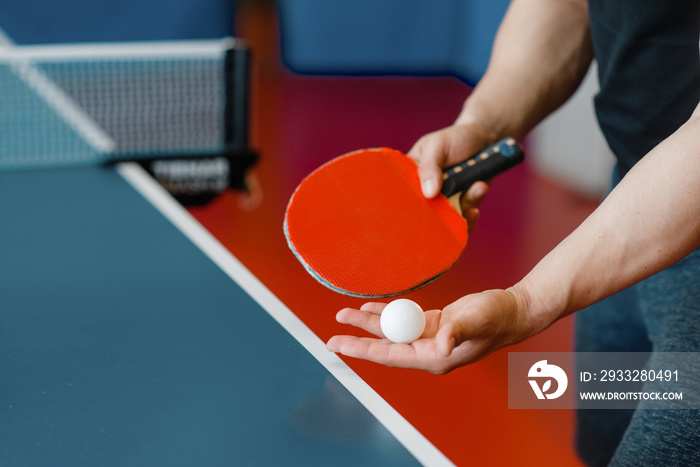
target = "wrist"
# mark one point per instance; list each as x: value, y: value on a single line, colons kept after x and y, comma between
x: 533, y: 316
x: 475, y: 115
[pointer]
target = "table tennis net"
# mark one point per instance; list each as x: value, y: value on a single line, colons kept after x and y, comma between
x: 95, y: 103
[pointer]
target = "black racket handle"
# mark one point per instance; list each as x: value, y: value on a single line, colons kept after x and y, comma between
x: 482, y: 166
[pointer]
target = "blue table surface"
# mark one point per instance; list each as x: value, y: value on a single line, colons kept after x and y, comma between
x: 122, y: 344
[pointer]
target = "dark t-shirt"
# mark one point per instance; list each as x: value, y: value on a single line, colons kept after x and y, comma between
x: 649, y: 71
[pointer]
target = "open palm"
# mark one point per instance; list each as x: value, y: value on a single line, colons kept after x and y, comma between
x: 463, y: 332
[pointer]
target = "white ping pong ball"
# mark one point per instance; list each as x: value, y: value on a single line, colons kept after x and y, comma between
x: 402, y: 321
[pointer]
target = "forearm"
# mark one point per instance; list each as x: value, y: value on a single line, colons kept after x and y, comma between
x: 649, y: 221
x: 541, y: 53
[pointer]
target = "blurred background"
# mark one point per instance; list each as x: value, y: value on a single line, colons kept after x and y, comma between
x: 340, y: 38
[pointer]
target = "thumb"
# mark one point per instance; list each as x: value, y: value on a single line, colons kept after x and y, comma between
x: 451, y: 335
x: 430, y: 154
x: 431, y: 179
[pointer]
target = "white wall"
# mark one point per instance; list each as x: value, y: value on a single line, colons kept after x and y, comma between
x: 569, y: 146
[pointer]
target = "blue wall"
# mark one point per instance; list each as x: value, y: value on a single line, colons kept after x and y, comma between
x: 389, y: 36
x: 67, y: 21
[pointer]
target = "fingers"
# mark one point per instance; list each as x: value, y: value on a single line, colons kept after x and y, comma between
x: 475, y: 194
x: 375, y: 308
x: 367, y: 317
x: 374, y: 350
x: 420, y: 355
x: 471, y: 201
x: 472, y: 217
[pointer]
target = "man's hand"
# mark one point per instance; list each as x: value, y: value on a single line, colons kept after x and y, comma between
x: 443, y: 148
x: 465, y: 332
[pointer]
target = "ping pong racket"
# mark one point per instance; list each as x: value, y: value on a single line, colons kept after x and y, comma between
x: 361, y: 226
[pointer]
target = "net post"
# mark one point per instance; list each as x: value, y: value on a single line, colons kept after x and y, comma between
x: 236, y: 110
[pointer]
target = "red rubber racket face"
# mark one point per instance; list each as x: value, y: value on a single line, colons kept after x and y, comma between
x: 361, y: 226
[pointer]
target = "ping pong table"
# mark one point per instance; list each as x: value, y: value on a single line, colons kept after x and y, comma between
x: 130, y: 336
